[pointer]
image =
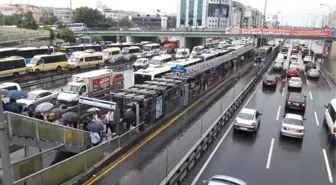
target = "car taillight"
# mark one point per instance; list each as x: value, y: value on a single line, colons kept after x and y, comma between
x: 289, y: 102
x: 301, y: 131
x: 303, y: 105
x: 254, y: 124
x: 265, y: 81
x: 334, y: 129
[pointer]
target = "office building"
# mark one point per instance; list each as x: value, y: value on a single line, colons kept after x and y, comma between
x: 21, y: 9
x: 62, y: 14
x: 252, y: 18
x: 237, y: 15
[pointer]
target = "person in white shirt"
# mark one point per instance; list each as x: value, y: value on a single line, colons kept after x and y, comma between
x: 95, y: 138
x: 109, y: 122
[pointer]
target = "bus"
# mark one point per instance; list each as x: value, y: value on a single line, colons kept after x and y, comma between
x: 47, y: 62
x: 263, y: 52
x: 81, y: 47
x: 12, y: 66
x: 151, y: 49
x: 29, y: 52
x: 159, y: 60
x: 150, y: 73
x: 77, y: 27
x: 8, y: 52
x: 124, y: 45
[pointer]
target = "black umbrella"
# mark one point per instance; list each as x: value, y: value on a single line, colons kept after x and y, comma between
x: 129, y: 116
x: 70, y: 116
x: 58, y: 112
x: 96, y: 126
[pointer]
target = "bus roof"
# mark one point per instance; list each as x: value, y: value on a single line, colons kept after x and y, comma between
x: 92, y: 73
x: 52, y: 54
x: 8, y: 49
x: 28, y: 48
x: 11, y: 58
x: 152, y: 44
x: 112, y: 49
x: 86, y: 54
x: 162, y: 57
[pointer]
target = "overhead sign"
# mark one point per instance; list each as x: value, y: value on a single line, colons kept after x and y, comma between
x: 98, y: 103
x: 178, y: 68
x: 287, y: 32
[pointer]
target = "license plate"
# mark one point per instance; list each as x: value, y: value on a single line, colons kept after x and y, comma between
x: 296, y: 104
x: 292, y: 130
x: 243, y: 128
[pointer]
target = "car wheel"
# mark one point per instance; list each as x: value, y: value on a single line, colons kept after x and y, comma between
x: 31, y: 108
x: 58, y: 69
x: 53, y: 101
x: 37, y: 71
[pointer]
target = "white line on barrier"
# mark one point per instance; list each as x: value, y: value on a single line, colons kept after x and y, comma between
x: 278, y: 113
x: 269, y: 158
x: 327, y: 166
x: 307, y: 81
x: 316, y: 119
x: 311, y: 95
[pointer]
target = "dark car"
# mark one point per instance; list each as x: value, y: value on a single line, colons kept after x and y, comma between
x: 270, y: 81
x: 295, y: 101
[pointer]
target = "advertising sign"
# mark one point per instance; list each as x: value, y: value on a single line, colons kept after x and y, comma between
x: 101, y: 83
x: 287, y: 32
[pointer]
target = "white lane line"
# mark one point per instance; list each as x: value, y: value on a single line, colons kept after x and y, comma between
x: 307, y: 81
x: 327, y: 165
x: 221, y: 141
x: 305, y: 73
x: 283, y: 91
x: 316, y: 119
x: 270, y: 154
x: 311, y: 96
x: 278, y: 113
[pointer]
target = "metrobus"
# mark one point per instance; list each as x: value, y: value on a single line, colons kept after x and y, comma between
x: 77, y: 27
x: 150, y: 73
x: 263, y: 52
x: 8, y: 52
x: 81, y: 47
x: 29, y: 52
x: 124, y: 45
x: 159, y: 60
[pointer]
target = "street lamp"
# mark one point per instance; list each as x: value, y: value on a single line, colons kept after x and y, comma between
x: 277, y: 14
x: 314, y: 20
x: 330, y: 10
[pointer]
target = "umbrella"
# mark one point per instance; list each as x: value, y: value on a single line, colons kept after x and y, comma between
x: 4, y: 92
x: 44, y: 107
x: 58, y: 112
x: 96, y: 126
x: 93, y: 109
x: 70, y: 116
x: 17, y: 95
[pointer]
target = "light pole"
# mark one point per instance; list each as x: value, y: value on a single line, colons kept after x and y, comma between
x: 330, y: 10
x: 277, y: 14
x: 263, y: 26
x: 314, y: 19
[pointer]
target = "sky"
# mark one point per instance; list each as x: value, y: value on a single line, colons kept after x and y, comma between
x: 294, y: 12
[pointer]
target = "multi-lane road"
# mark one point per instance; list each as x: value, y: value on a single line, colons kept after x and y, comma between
x: 266, y: 158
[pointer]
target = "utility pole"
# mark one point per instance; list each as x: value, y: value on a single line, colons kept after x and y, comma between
x: 263, y: 26
x: 71, y: 11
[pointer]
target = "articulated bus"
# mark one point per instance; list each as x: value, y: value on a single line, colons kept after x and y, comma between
x: 8, y: 52
x: 29, y: 52
x: 81, y: 47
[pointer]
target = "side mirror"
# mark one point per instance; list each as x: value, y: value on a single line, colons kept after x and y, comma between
x: 326, y: 106
x: 80, y: 93
x: 304, y: 119
x: 260, y: 114
x: 205, y: 182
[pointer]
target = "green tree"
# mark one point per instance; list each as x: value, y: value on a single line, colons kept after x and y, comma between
x: 89, y: 16
x: 48, y: 20
x: 2, y: 18
x: 60, y: 24
x: 14, y: 19
x: 67, y: 35
x: 96, y: 38
x: 125, y: 22
x: 28, y: 21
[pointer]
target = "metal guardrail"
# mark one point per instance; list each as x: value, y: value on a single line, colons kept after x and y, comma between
x: 180, y: 171
x: 24, y: 126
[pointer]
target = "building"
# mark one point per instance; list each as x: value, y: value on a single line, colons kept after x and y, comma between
x: 171, y: 21
x: 253, y: 18
x: 62, y: 14
x: 237, y: 15
x: 21, y: 9
x: 147, y: 21
x: 115, y: 14
x: 329, y: 23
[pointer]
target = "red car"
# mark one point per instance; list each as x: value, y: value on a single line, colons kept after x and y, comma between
x: 293, y: 72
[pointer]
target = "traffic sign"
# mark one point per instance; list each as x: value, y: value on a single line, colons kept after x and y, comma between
x: 97, y: 103
x: 178, y: 68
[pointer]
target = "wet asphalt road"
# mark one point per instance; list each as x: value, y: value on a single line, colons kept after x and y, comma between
x: 149, y: 165
x: 245, y: 155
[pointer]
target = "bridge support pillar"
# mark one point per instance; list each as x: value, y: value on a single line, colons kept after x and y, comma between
x: 332, y: 55
x: 182, y: 42
x: 118, y: 38
x: 129, y: 39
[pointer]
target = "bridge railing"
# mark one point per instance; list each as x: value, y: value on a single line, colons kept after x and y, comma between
x: 23, y: 126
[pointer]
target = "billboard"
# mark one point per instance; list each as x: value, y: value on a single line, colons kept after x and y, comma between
x: 287, y: 32
x: 101, y: 83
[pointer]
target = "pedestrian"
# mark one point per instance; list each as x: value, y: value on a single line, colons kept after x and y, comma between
x: 95, y: 138
x: 109, y: 122
x: 39, y: 116
x: 12, y: 106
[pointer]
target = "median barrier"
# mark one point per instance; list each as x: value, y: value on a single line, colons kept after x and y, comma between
x: 179, y: 172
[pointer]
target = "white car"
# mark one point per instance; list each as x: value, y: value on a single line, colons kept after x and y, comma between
x: 313, y: 73
x: 307, y: 59
x: 37, y: 97
x: 293, y: 58
x: 329, y: 118
x: 223, y: 180
x: 281, y: 56
x: 292, y: 126
x: 295, y: 82
x: 247, y: 120
x: 294, y: 65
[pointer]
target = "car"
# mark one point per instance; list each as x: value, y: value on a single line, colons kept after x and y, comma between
x: 247, y: 120
x: 278, y: 66
x: 293, y: 58
x: 310, y: 66
x: 281, y: 56
x: 294, y: 65
x: 223, y: 180
x: 292, y: 72
x: 37, y: 97
x: 292, y: 126
x: 313, y: 73
x: 295, y: 82
x: 330, y: 118
x: 295, y: 101
x: 307, y: 59
x: 270, y: 80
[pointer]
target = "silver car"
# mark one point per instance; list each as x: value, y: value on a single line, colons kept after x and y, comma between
x: 292, y: 126
x: 295, y: 82
x: 313, y: 73
x: 247, y: 120
x: 37, y: 97
x: 223, y: 180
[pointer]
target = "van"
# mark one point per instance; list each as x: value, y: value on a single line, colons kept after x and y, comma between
x: 161, y: 59
x: 80, y: 60
x: 12, y: 66
x: 330, y: 118
x: 47, y: 62
x: 112, y: 54
x: 9, y: 86
x: 151, y: 49
x: 131, y: 53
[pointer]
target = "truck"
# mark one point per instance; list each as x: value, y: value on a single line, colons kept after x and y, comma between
x: 93, y: 84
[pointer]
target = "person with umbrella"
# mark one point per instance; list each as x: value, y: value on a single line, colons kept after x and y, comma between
x: 95, y: 138
x: 12, y: 106
x: 70, y: 118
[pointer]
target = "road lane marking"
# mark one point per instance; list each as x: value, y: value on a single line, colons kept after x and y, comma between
x: 278, y: 113
x: 283, y: 91
x: 316, y: 119
x: 307, y: 81
x: 311, y: 96
x: 305, y: 73
x: 221, y: 141
x: 327, y: 165
x: 269, y: 158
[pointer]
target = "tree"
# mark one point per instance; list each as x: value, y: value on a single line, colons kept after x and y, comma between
x: 28, y: 21
x: 14, y: 19
x: 49, y: 20
x: 67, y: 35
x: 96, y: 38
x: 52, y: 34
x: 60, y: 24
x: 125, y: 22
x: 89, y: 16
x: 2, y: 17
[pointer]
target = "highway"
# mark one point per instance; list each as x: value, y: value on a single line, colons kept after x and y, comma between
x: 265, y: 158
x: 149, y: 164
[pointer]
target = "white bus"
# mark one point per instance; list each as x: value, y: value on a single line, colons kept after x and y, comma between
x: 150, y: 73
x: 77, y: 27
x: 112, y: 54
x: 159, y: 60
x: 79, y: 60
x: 151, y: 49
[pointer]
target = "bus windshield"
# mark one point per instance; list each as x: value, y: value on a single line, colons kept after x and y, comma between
x: 35, y: 60
x: 73, y: 58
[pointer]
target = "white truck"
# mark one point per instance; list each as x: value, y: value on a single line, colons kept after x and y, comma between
x: 94, y: 84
